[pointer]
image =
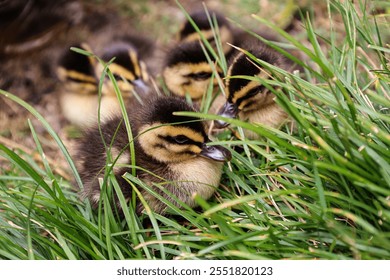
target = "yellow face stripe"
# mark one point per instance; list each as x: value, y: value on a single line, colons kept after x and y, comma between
x: 134, y: 60
x: 169, y: 130
x: 189, y: 68
x: 180, y: 83
x: 151, y: 139
x: 178, y: 149
x: 208, y: 34
x: 64, y: 74
x: 81, y: 88
x: 243, y: 91
x: 122, y: 71
x: 144, y: 71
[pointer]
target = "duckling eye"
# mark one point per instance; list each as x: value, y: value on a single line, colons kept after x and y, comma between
x: 180, y: 139
x: 117, y: 77
x: 200, y: 76
x: 231, y: 109
x: 254, y: 91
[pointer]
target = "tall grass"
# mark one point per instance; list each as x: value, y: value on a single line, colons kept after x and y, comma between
x: 318, y: 188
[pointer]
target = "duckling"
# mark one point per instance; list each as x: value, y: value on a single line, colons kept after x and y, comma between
x: 187, y: 70
x: 250, y: 100
x: 129, y: 71
x: 80, y: 75
x: 169, y: 149
x: 79, y: 94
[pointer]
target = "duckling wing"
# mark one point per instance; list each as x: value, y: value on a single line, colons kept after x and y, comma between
x: 98, y: 151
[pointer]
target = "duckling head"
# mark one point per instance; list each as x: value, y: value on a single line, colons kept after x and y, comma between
x: 76, y: 71
x: 244, y: 95
x: 128, y: 70
x: 173, y: 139
x: 188, y: 33
x: 187, y: 71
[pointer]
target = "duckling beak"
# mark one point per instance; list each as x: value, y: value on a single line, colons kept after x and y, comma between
x: 229, y: 110
x: 217, y: 153
x: 140, y: 87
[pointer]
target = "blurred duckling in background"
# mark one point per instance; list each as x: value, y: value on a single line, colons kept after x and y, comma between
x: 80, y: 75
x: 187, y: 71
x: 28, y: 25
x: 129, y: 71
x: 249, y: 99
x: 170, y: 150
x: 226, y: 33
x: 188, y: 33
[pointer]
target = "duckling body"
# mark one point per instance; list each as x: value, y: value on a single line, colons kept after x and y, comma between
x: 170, y: 150
x: 80, y: 75
x: 249, y: 99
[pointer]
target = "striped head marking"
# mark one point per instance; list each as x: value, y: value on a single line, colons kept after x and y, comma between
x: 128, y: 70
x: 170, y: 138
x: 187, y: 71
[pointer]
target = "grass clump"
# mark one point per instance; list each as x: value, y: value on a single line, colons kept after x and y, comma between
x: 318, y: 188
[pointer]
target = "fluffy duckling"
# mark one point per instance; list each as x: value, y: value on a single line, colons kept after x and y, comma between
x: 248, y: 99
x: 187, y: 70
x: 79, y: 95
x: 80, y: 75
x: 129, y: 71
x: 172, y: 150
